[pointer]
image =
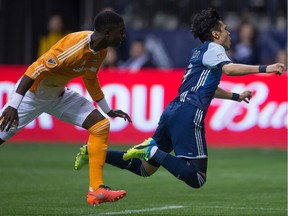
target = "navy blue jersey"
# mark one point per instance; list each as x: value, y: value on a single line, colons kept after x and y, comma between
x: 181, y: 127
x: 203, y: 75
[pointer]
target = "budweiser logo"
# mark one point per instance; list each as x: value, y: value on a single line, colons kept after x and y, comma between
x: 259, y: 112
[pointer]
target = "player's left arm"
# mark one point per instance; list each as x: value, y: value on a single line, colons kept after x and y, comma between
x: 223, y: 94
x: 93, y: 86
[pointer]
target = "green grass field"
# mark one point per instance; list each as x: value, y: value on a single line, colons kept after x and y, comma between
x: 40, y: 180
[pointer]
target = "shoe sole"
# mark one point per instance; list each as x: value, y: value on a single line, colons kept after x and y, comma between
x: 107, y: 200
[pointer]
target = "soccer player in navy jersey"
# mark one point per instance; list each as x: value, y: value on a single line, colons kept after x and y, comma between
x: 181, y: 126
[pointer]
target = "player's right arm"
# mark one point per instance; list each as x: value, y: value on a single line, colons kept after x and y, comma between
x: 9, y: 116
x: 232, y: 69
x: 216, y: 57
x: 93, y: 86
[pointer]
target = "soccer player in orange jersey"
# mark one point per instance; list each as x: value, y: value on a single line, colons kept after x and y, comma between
x: 42, y: 89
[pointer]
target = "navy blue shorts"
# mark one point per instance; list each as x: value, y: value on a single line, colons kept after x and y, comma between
x: 181, y: 128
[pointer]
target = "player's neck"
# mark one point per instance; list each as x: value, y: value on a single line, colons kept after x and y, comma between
x: 98, y: 42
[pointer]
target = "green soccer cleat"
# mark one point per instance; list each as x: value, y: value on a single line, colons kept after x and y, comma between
x: 82, y: 157
x: 141, y: 151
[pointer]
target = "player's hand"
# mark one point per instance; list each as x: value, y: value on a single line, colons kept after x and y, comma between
x: 245, y: 96
x: 119, y: 113
x: 277, y: 68
x: 9, y: 118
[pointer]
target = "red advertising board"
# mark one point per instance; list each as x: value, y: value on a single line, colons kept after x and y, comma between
x: 143, y: 95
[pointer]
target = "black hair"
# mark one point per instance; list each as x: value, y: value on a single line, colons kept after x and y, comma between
x: 105, y: 18
x: 204, y: 22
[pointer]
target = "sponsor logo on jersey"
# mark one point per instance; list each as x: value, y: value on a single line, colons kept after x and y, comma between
x: 78, y: 70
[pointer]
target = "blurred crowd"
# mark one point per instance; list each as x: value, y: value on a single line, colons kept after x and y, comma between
x: 158, y: 32
x: 174, y: 14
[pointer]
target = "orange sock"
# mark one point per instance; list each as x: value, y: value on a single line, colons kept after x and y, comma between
x: 97, y: 149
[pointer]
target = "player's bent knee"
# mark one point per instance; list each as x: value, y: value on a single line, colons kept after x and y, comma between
x: 195, y: 180
x: 100, y: 128
x: 198, y: 181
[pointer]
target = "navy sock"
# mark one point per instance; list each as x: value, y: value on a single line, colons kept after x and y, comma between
x: 134, y: 165
x: 180, y: 168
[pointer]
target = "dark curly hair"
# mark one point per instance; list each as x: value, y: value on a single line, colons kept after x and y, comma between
x: 105, y: 18
x: 204, y: 22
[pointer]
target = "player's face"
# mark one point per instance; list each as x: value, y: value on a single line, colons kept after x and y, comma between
x: 224, y: 36
x: 117, y: 35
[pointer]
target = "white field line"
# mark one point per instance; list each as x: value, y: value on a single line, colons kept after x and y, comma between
x: 241, y: 208
x: 141, y: 210
x: 177, y: 207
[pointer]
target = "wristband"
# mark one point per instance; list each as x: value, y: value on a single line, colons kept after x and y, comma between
x: 262, y: 68
x: 15, y: 100
x: 104, y: 105
x: 235, y: 96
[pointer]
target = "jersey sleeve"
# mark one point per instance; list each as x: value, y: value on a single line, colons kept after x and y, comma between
x: 65, y: 53
x: 91, y: 80
x: 44, y: 63
x: 215, y: 56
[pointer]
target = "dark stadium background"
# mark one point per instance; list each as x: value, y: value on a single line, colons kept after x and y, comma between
x: 22, y: 23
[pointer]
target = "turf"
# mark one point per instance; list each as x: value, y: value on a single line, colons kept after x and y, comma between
x: 40, y: 180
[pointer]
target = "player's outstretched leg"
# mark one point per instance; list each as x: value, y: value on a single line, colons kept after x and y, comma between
x: 104, y: 194
x: 114, y: 158
x: 141, y: 151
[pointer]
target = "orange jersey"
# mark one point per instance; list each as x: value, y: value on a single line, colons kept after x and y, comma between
x: 69, y: 58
